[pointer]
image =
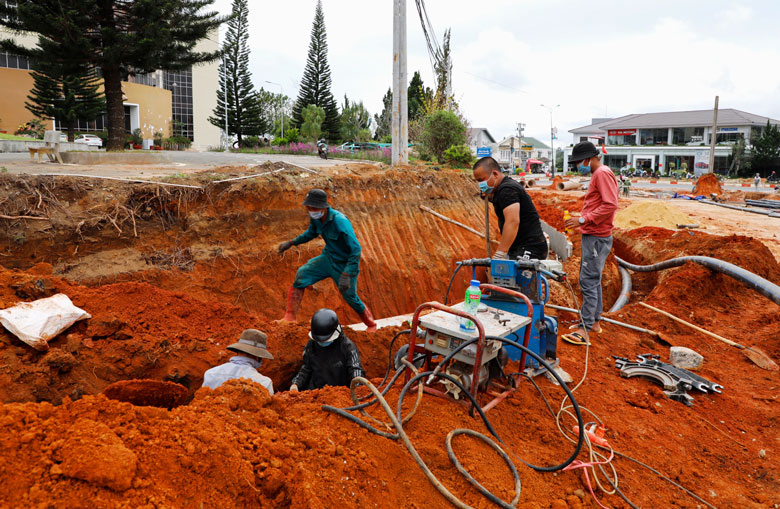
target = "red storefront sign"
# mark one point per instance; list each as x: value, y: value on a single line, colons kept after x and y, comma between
x: 622, y: 132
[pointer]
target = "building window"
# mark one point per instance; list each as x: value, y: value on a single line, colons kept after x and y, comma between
x: 98, y: 124
x: 653, y: 136
x: 11, y: 61
x: 625, y: 139
x: 583, y: 138
x: 180, y: 85
x: 686, y: 135
x: 731, y: 137
x: 505, y: 155
x: 149, y: 79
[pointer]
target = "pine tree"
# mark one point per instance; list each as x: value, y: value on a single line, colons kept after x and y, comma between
x: 766, y: 149
x: 385, y: 119
x: 417, y: 95
x: 120, y: 37
x: 63, y: 92
x: 244, y: 114
x: 316, y: 82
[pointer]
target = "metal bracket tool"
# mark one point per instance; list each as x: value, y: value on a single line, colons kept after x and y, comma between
x: 675, y: 381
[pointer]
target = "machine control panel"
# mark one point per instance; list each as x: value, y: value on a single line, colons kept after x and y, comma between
x: 444, y: 333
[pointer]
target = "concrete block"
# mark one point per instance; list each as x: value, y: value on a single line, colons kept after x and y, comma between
x: 685, y: 358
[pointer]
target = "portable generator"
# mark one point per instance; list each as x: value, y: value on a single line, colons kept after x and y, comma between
x: 529, y: 277
x: 478, y: 366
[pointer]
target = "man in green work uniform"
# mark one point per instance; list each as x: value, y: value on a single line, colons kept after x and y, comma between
x: 340, y: 259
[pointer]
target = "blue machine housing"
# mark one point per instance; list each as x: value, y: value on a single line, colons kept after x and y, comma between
x: 526, y: 277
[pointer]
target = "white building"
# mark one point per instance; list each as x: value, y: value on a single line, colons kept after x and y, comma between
x: 670, y: 140
x: 512, y: 151
x: 480, y: 138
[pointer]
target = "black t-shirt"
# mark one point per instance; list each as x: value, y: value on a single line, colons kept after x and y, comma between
x: 529, y: 233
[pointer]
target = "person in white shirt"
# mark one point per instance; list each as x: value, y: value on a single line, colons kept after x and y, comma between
x: 251, y: 349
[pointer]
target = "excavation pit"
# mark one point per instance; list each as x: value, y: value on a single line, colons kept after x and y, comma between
x: 173, y: 275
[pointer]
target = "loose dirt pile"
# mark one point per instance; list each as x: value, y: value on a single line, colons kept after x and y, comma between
x: 651, y: 213
x: 239, y: 447
x: 707, y: 184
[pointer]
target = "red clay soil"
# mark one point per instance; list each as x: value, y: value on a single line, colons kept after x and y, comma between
x: 708, y: 184
x: 239, y: 447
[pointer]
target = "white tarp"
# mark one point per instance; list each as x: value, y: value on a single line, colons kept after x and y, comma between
x: 37, y: 322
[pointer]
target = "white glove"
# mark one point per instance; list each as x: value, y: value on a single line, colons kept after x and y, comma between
x: 500, y: 255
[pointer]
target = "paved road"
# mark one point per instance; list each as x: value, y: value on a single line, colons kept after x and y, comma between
x: 181, y: 162
x: 664, y: 185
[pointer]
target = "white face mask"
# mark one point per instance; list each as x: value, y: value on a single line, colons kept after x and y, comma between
x: 316, y: 215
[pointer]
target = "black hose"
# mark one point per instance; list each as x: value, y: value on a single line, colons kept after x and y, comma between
x: 625, y: 290
x: 754, y: 281
x: 458, y: 265
x: 476, y: 406
x: 490, y: 496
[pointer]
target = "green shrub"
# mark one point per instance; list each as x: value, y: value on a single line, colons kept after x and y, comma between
x: 459, y: 155
x: 278, y: 142
x: 292, y: 135
x: 442, y: 129
x: 250, y: 142
x: 388, y: 138
x: 136, y: 137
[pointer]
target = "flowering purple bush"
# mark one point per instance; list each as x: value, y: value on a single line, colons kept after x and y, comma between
x: 299, y: 148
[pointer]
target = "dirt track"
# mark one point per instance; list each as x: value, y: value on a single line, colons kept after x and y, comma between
x: 202, y: 268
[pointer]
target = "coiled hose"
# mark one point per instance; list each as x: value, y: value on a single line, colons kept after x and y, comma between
x: 397, y: 422
x: 754, y: 281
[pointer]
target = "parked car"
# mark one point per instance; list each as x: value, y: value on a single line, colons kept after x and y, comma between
x: 89, y: 139
x: 63, y: 138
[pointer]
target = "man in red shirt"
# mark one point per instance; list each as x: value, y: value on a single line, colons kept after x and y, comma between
x: 595, y: 224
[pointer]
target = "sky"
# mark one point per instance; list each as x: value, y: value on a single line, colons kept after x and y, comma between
x: 594, y: 59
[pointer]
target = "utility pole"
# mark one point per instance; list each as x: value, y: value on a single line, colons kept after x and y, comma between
x: 552, y: 136
x: 224, y: 93
x: 713, y: 136
x: 400, y: 124
x: 284, y: 103
x: 520, y: 131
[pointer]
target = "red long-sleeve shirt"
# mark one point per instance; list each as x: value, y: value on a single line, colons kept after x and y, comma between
x: 601, y: 203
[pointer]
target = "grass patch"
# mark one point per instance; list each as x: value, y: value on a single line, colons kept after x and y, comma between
x: 13, y: 137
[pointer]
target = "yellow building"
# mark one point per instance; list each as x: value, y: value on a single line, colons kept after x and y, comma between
x: 153, y: 102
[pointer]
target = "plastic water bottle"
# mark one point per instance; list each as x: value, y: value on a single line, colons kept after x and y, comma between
x: 566, y: 217
x: 470, y: 306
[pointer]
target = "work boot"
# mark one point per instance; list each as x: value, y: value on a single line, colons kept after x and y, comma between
x: 294, y: 298
x: 368, y: 320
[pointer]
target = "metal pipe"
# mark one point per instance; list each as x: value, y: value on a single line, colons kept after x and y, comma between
x: 754, y: 281
x: 603, y: 319
x: 769, y: 213
x: 625, y: 291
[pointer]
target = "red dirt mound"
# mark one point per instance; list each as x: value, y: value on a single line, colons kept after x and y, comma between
x: 708, y: 184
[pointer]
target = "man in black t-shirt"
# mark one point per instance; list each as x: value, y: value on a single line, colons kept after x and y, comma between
x: 518, y: 220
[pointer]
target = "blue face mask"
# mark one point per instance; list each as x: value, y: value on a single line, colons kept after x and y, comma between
x: 484, y: 187
x: 583, y: 169
x: 324, y: 343
x: 316, y: 215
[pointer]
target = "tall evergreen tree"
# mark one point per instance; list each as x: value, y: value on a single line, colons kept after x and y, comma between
x: 316, y: 82
x: 67, y: 93
x: 766, y: 149
x: 418, y: 96
x: 385, y: 119
x: 244, y: 114
x: 120, y: 37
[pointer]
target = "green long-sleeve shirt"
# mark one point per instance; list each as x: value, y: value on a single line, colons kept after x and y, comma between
x: 341, y: 245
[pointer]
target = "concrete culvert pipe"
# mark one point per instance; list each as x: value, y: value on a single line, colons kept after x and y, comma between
x: 568, y: 185
x: 754, y: 281
x: 531, y: 182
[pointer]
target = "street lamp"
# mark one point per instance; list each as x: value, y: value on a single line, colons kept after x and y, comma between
x: 552, y: 136
x: 281, y: 93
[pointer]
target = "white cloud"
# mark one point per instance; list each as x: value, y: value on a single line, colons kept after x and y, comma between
x: 510, y: 56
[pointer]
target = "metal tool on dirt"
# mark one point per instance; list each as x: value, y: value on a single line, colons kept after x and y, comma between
x: 756, y: 355
x: 675, y: 381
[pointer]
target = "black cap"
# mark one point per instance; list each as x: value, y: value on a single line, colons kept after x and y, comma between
x: 317, y: 198
x: 583, y: 150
